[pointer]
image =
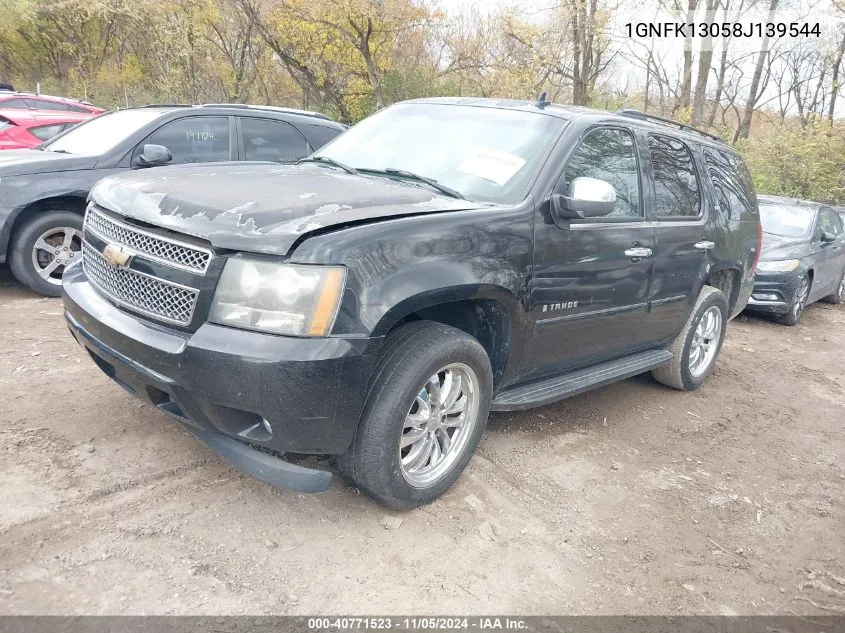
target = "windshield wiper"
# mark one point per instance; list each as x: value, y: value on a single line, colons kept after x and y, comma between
x: 328, y: 161
x: 431, y: 182
x: 55, y: 151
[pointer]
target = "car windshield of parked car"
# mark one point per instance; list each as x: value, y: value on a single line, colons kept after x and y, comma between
x: 100, y: 134
x: 485, y: 154
x: 786, y: 221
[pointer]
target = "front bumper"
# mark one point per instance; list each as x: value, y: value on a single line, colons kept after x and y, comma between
x: 773, y: 292
x: 231, y: 386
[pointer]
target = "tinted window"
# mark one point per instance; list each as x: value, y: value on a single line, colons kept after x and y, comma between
x: 830, y: 222
x: 14, y: 104
x: 199, y: 139
x: 731, y: 183
x: 57, y: 106
x: 46, y: 132
x: 272, y: 140
x: 319, y: 135
x: 676, y: 191
x: 608, y: 154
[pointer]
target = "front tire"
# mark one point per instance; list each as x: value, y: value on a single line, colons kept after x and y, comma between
x: 424, y: 415
x: 799, y: 302
x: 695, y: 350
x: 42, y: 247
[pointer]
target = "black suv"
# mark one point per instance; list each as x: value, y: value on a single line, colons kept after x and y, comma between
x: 43, y: 190
x: 441, y: 259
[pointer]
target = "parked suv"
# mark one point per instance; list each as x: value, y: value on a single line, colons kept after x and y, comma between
x: 43, y: 190
x: 441, y: 259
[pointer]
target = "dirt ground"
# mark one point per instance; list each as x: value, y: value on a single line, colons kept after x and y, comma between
x: 633, y: 499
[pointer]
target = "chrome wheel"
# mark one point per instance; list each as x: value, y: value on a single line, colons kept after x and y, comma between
x: 840, y: 293
x: 439, y: 424
x: 705, y: 342
x: 801, y: 298
x: 54, y: 250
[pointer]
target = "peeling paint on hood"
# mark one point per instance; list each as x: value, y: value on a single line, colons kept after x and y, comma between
x: 262, y: 208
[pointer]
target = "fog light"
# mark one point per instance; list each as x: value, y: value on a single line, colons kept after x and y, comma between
x: 766, y: 297
x: 267, y: 426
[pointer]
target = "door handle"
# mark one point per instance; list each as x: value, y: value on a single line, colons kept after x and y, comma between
x: 704, y: 245
x: 638, y: 252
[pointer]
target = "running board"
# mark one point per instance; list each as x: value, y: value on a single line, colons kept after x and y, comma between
x: 537, y: 394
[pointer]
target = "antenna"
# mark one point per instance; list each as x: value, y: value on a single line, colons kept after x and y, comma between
x: 541, y: 100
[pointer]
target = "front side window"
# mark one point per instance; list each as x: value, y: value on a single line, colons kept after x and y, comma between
x: 269, y: 140
x: 609, y: 154
x: 676, y: 191
x: 830, y: 222
x: 196, y: 139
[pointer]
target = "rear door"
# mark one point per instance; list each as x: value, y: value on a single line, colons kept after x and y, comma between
x: 680, y: 210
x: 587, y: 294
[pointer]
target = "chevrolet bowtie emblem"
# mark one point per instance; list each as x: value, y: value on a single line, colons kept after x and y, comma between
x: 117, y: 256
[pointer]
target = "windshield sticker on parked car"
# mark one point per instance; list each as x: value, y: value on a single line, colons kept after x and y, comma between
x: 492, y: 164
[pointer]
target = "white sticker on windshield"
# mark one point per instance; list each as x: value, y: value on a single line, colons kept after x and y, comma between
x: 492, y: 164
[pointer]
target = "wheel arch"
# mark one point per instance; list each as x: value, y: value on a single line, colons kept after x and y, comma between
x: 729, y: 281
x: 74, y: 202
x: 492, y: 315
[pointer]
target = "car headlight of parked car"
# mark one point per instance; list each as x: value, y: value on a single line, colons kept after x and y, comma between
x: 278, y: 298
x: 779, y: 266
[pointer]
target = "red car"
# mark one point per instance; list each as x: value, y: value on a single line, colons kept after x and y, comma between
x: 10, y: 100
x: 21, y: 129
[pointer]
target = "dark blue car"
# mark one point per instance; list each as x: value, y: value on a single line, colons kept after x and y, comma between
x: 803, y: 258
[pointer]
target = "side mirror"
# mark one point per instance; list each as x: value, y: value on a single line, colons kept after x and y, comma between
x: 153, y: 156
x: 588, y: 198
x: 828, y: 237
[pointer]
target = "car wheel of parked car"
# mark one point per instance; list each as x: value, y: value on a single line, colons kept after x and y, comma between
x: 697, y: 346
x: 799, y: 302
x: 838, y: 296
x: 425, y: 412
x: 42, y: 247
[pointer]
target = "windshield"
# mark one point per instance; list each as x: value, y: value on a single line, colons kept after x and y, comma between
x: 100, y: 134
x: 484, y: 153
x: 787, y: 221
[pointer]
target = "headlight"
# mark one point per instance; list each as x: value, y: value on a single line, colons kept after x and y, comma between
x: 278, y: 298
x: 781, y: 266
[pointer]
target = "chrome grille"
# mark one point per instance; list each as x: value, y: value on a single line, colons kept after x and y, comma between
x: 158, y: 298
x: 166, y: 251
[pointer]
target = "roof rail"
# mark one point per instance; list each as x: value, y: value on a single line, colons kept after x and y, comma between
x: 247, y: 106
x: 636, y: 114
x: 166, y: 105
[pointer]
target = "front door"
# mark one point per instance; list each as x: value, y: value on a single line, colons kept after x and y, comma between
x: 832, y: 253
x: 588, y: 290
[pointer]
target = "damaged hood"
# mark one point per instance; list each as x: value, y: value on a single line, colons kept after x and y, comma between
x: 262, y: 207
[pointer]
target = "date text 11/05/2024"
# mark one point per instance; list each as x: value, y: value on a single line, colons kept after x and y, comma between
x: 722, y: 29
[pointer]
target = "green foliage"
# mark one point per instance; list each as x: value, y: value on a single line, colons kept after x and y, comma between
x: 799, y: 162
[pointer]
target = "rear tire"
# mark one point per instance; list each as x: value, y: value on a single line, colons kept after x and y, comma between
x: 42, y: 247
x: 697, y: 347
x: 423, y: 365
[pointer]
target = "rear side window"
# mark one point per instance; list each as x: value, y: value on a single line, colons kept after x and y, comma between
x: 676, y: 190
x: 319, y: 135
x: 731, y: 183
x: 608, y: 154
x: 58, y: 106
x: 199, y: 139
x: 276, y: 141
x: 15, y: 103
x: 46, y: 132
